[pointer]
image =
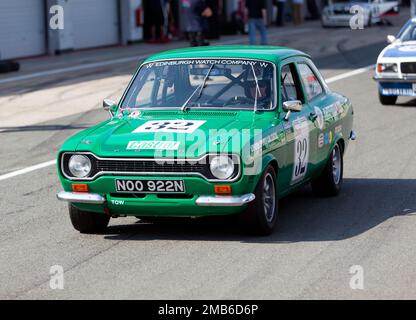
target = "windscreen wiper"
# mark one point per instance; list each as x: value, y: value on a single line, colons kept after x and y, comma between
x: 257, y: 88
x: 200, y: 88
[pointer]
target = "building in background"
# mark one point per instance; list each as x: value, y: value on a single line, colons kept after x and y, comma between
x: 25, y: 31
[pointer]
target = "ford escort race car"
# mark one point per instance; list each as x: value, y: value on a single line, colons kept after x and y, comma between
x: 209, y: 131
x: 340, y: 13
x: 396, y: 66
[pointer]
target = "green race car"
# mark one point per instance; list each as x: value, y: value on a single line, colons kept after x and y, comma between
x: 209, y: 131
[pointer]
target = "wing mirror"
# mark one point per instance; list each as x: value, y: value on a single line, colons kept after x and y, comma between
x: 110, y: 106
x: 292, y: 106
x: 391, y: 38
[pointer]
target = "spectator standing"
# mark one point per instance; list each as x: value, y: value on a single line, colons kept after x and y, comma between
x: 297, y: 6
x: 214, y: 22
x: 196, y: 12
x: 257, y: 20
x: 156, y: 13
x: 313, y: 10
x: 412, y: 8
x: 280, y: 4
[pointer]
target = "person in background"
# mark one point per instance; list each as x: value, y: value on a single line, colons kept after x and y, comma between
x: 412, y: 8
x: 257, y: 20
x: 156, y: 13
x: 313, y: 10
x: 196, y: 12
x: 297, y: 6
x: 214, y: 22
x: 280, y: 4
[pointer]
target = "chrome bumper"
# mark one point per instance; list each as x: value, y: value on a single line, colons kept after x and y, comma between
x: 203, y: 201
x: 224, y: 201
x: 79, y: 197
x: 399, y: 80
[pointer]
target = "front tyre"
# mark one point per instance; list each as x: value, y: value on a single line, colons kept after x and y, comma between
x: 387, y: 100
x: 329, y: 183
x: 88, y: 222
x: 261, y: 215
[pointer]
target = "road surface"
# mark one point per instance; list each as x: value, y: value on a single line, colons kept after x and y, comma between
x: 372, y: 224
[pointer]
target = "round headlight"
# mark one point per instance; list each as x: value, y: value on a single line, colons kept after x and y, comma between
x: 79, y: 166
x: 222, y: 167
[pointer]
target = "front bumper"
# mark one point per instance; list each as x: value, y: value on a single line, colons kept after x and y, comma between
x: 81, y: 197
x: 396, y: 87
x: 407, y: 79
x: 202, y: 201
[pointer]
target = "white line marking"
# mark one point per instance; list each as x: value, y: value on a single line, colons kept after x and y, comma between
x: 28, y: 169
x: 74, y: 68
x: 126, y: 59
x: 52, y: 162
x: 350, y: 73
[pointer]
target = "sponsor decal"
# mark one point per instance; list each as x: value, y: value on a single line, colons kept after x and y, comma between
x: 328, y: 137
x: 338, y: 129
x: 288, y: 127
x: 207, y: 62
x: 153, y: 145
x: 321, y: 140
x: 301, y: 154
x: 265, y: 141
x: 407, y: 48
x: 135, y: 115
x: 320, y: 121
x: 178, y: 126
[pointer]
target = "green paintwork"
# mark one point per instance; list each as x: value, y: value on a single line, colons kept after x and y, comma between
x: 110, y: 138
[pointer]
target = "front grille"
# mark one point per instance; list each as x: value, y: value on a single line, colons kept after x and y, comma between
x: 341, y: 11
x: 129, y: 166
x: 143, y: 166
x: 408, y: 67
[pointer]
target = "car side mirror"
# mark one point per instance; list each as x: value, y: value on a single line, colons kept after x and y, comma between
x: 292, y: 106
x: 391, y: 38
x: 109, y: 106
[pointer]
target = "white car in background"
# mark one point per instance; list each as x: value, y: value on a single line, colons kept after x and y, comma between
x: 396, y: 65
x: 339, y: 13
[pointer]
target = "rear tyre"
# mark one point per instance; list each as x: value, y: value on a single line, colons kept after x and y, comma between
x: 261, y: 215
x: 88, y: 222
x: 387, y: 100
x: 329, y: 183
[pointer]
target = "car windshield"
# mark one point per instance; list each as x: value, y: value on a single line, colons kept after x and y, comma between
x: 408, y: 33
x: 203, y: 83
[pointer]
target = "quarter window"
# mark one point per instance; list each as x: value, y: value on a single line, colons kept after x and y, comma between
x: 290, y: 84
x: 310, y: 82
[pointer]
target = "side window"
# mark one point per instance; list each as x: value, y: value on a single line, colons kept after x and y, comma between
x: 290, y: 89
x: 310, y: 82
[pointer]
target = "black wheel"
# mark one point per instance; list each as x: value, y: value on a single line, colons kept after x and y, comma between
x: 261, y: 215
x: 88, y: 222
x: 387, y: 100
x: 329, y: 183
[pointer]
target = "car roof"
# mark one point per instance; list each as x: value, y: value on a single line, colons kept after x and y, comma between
x: 269, y: 53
